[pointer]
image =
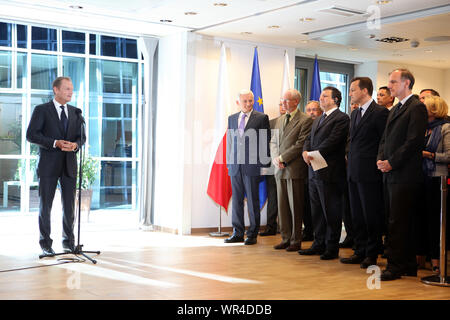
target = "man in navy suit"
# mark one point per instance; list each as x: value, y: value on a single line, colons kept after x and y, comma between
x: 400, y: 160
x: 56, y: 128
x: 364, y: 179
x: 248, y: 138
x: 326, y: 186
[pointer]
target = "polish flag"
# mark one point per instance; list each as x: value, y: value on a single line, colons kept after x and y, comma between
x: 219, y: 185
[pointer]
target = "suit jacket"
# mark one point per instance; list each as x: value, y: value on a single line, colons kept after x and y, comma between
x: 252, y: 149
x: 44, y: 128
x: 288, y: 143
x: 330, y: 139
x: 403, y: 141
x: 364, y: 140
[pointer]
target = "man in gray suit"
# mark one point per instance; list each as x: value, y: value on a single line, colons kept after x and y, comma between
x: 272, y: 204
x: 290, y: 170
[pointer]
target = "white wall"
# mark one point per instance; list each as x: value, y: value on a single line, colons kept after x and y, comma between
x: 169, y: 144
x: 426, y: 77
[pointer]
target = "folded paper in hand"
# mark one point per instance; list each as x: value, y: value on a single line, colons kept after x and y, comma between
x: 318, y: 161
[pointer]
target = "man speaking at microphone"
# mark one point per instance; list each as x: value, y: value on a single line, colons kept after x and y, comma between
x: 55, y: 127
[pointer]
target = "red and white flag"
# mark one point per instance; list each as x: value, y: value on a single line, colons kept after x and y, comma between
x: 286, y: 84
x: 219, y: 185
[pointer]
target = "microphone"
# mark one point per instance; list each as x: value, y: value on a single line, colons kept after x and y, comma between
x: 78, y: 112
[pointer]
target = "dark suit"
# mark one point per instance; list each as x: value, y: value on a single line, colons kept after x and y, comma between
x: 54, y: 164
x: 326, y: 186
x: 402, y: 144
x: 365, y: 180
x: 246, y: 155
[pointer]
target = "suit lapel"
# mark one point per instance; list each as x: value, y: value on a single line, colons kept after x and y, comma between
x: 250, y: 120
x: 292, y: 123
x: 364, y: 118
x: 72, y: 118
x: 401, y: 111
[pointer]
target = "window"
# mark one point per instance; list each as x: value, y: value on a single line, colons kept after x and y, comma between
x: 334, y: 74
x: 109, y: 104
x: 73, y: 41
x: 5, y: 34
x: 43, y: 39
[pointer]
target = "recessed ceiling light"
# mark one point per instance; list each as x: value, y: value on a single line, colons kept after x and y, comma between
x: 165, y: 20
x: 353, y: 49
x: 428, y: 51
x: 384, y: 1
x: 246, y: 33
x: 220, y: 4
x: 397, y: 55
x: 76, y: 7
x: 273, y: 27
x: 306, y: 19
x: 191, y: 13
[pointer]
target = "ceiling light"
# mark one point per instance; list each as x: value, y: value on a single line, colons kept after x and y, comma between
x: 353, y: 49
x: 165, y: 20
x: 273, y: 27
x: 397, y: 55
x: 220, y: 4
x: 429, y: 51
x: 190, y: 13
x: 384, y: 1
x: 76, y: 7
x: 306, y: 19
x: 245, y: 33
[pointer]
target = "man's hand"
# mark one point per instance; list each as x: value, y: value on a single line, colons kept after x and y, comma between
x: 277, y: 163
x: 66, y: 145
x: 307, y: 158
x: 384, y: 165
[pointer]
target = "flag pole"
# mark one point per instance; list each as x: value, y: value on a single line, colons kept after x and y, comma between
x: 219, y: 233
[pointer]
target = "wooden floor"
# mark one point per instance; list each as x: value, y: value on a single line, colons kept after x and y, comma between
x: 134, y: 264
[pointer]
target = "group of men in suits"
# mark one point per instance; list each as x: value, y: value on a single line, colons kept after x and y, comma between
x: 374, y: 155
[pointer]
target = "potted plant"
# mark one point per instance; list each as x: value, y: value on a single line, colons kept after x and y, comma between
x: 90, y: 168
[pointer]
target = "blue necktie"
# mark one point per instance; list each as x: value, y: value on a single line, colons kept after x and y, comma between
x: 242, y: 125
x: 321, y: 119
x: 64, y: 120
x: 358, y: 116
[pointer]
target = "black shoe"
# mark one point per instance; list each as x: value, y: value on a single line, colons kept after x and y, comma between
x: 329, y: 255
x: 388, y: 275
x: 281, y: 245
x: 311, y: 252
x: 250, y: 241
x: 354, y: 259
x: 234, y: 239
x: 367, y: 262
x: 347, y: 243
x: 48, y: 252
x: 267, y: 233
x: 308, y: 237
x: 68, y: 248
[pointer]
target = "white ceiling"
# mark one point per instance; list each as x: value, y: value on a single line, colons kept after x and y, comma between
x: 330, y: 36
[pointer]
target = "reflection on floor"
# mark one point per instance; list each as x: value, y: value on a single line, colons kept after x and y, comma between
x: 136, y: 264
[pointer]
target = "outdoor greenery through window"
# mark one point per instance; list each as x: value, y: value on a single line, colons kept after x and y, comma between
x: 106, y: 72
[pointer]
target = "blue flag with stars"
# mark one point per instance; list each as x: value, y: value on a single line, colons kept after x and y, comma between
x: 255, y: 87
x: 315, y: 87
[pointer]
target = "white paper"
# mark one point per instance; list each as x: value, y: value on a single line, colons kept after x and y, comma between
x: 318, y: 161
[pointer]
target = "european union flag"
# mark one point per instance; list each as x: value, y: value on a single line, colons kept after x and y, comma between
x: 315, y: 87
x: 255, y: 87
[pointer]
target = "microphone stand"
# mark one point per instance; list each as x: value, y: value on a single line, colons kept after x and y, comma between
x: 78, y: 250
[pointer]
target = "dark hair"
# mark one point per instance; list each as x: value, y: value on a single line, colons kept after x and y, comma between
x: 405, y: 74
x: 335, y: 95
x: 57, y: 82
x: 385, y: 88
x: 364, y: 83
x: 433, y: 92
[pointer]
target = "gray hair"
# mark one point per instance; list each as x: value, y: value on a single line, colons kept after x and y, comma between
x: 294, y: 94
x: 244, y: 92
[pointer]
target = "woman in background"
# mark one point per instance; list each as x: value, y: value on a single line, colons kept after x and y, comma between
x: 436, y: 156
